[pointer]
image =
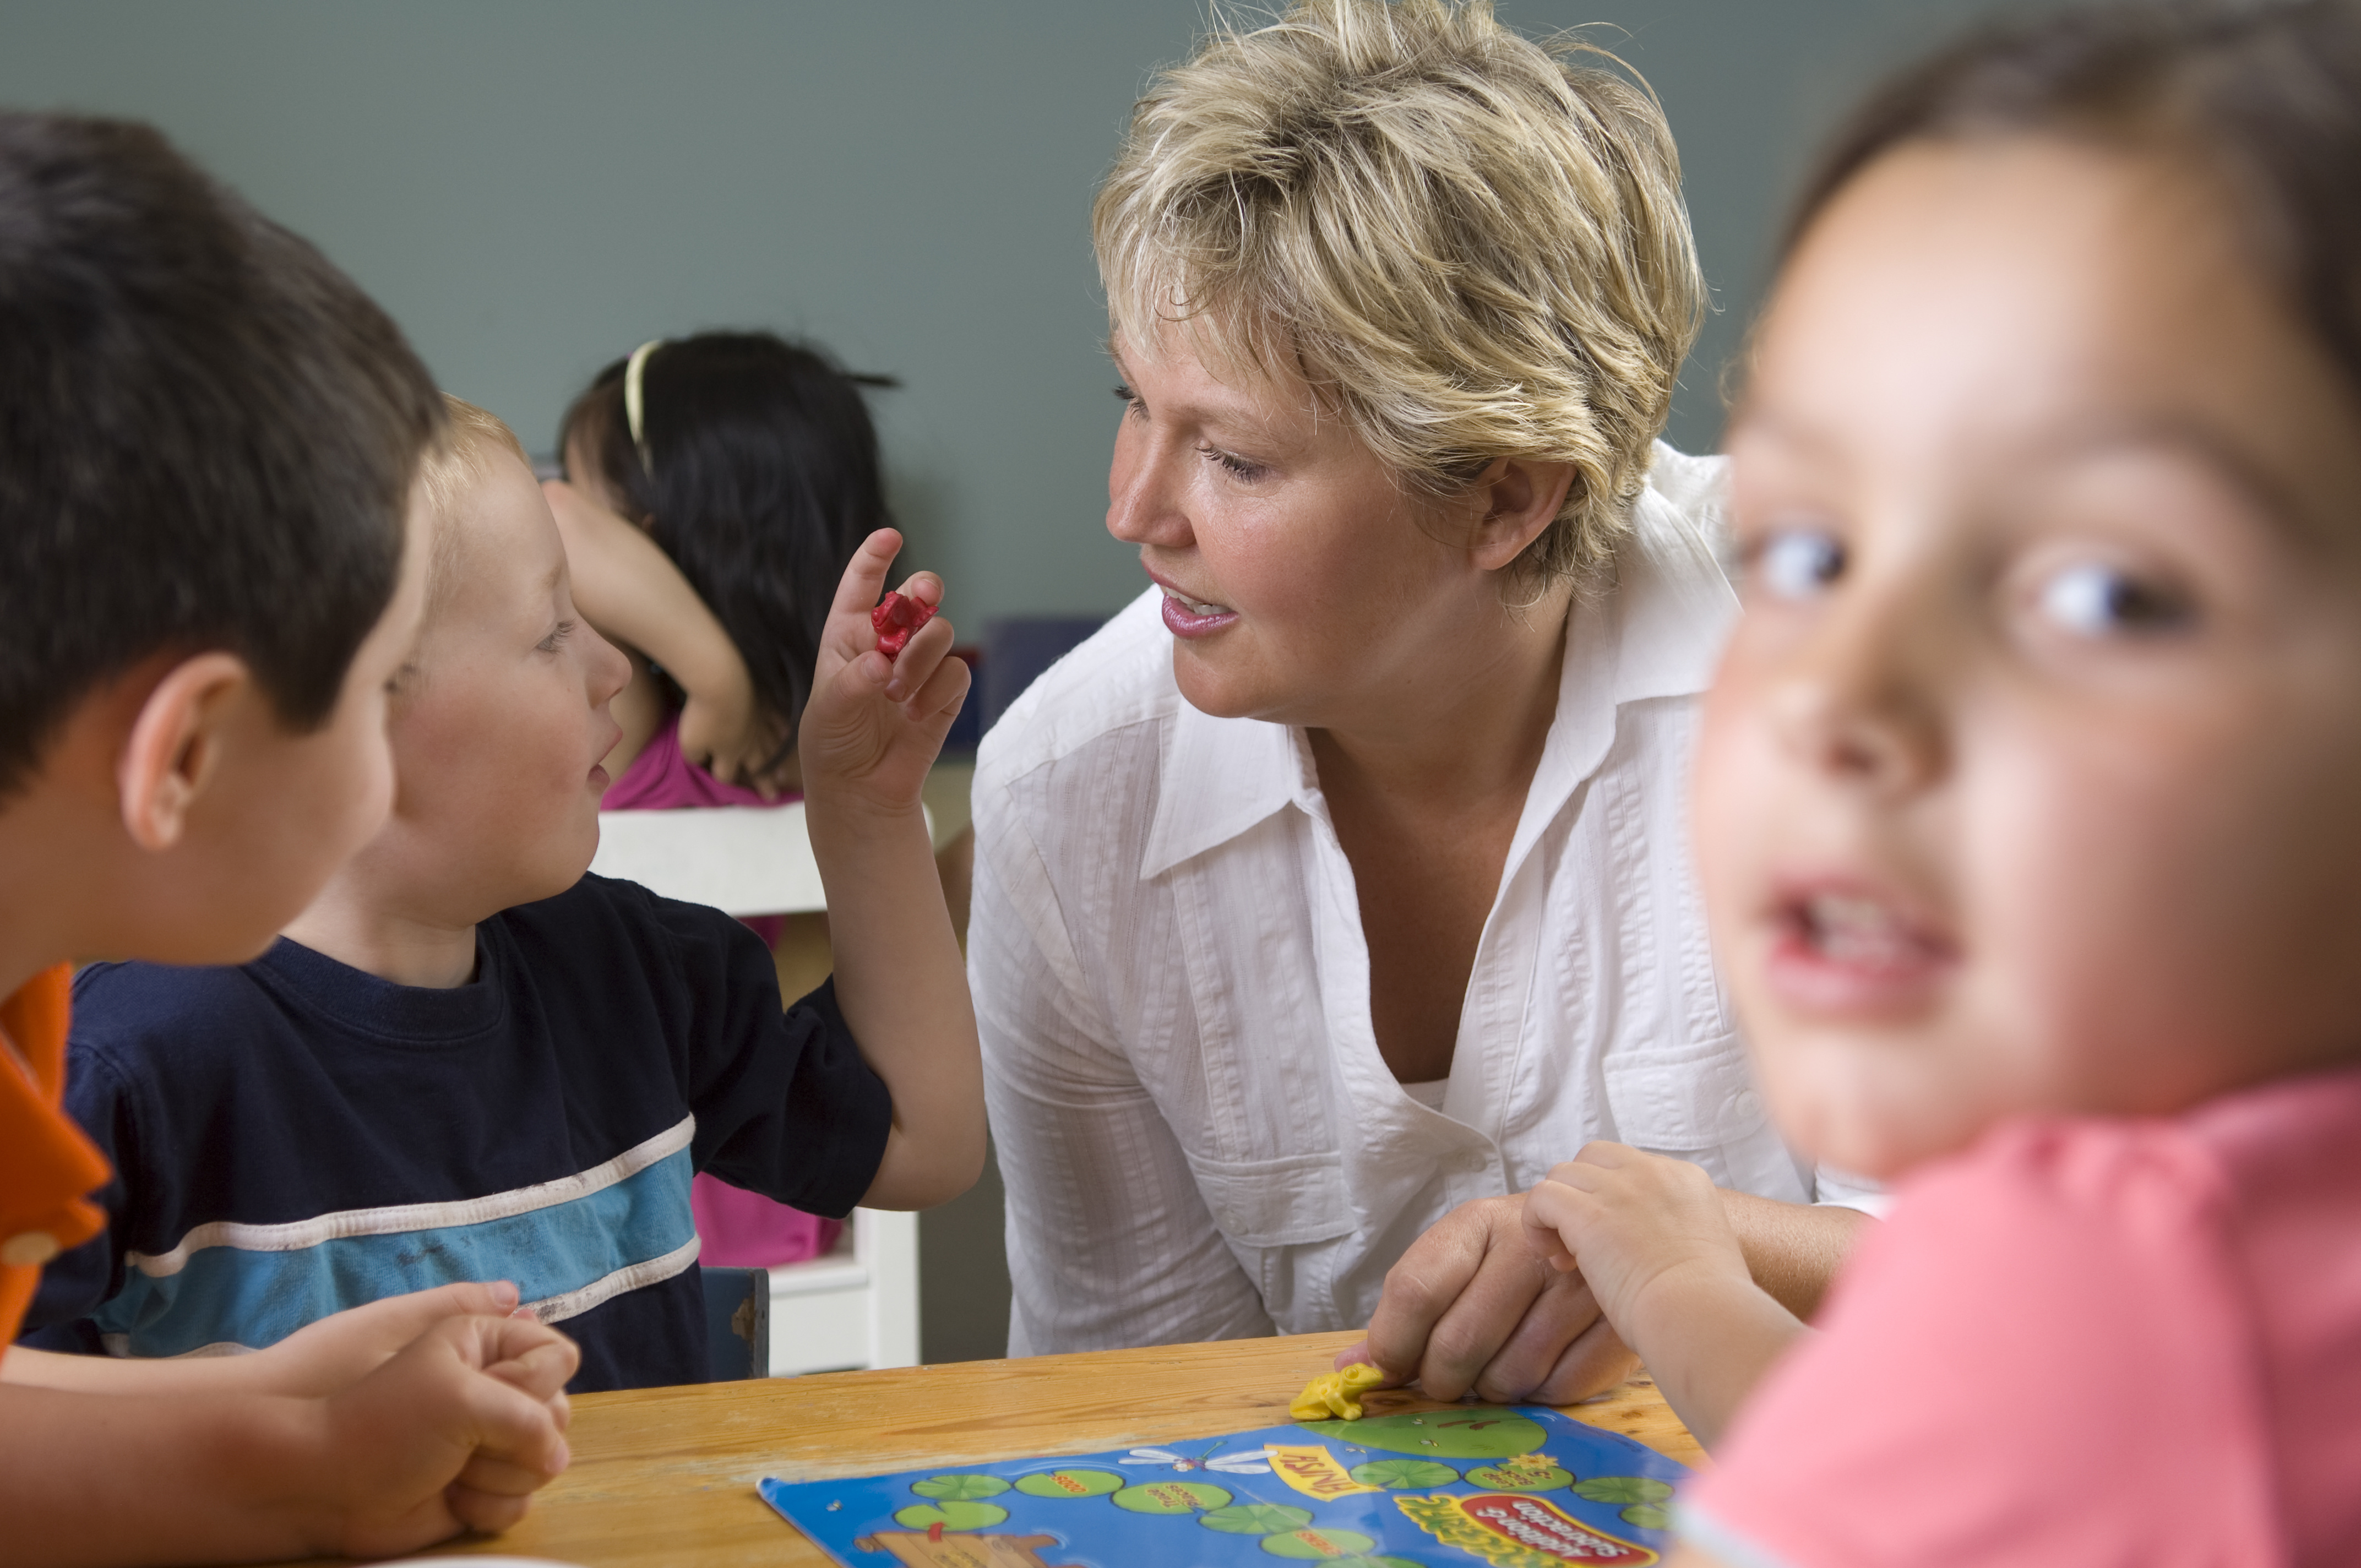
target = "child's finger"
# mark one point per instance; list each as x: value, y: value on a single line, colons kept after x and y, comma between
x: 924, y: 587
x: 926, y: 647
x: 940, y: 696
x: 488, y: 1513
x: 863, y: 583
x: 1548, y: 1213
x: 540, y: 1369
x: 497, y: 1475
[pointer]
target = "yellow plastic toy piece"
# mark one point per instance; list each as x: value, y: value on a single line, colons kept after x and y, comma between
x: 1335, y: 1394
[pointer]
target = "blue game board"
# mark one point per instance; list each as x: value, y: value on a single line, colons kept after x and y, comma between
x: 1471, y: 1486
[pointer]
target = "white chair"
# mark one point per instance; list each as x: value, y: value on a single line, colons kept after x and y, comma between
x: 857, y: 1307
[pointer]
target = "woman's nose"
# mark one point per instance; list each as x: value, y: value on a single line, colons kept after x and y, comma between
x: 1144, y: 491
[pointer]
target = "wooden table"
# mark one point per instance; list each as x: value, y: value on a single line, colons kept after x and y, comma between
x: 664, y: 1477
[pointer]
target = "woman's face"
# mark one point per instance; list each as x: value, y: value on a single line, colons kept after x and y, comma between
x: 1302, y: 582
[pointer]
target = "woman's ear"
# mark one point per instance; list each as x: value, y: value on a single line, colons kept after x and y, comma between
x: 1516, y: 499
x: 174, y: 749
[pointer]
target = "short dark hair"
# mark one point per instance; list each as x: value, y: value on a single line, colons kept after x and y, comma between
x: 207, y: 434
x: 2264, y: 95
x: 760, y: 479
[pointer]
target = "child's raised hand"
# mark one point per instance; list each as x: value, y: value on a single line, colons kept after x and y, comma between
x: 1631, y: 1223
x: 875, y: 725
x: 454, y: 1432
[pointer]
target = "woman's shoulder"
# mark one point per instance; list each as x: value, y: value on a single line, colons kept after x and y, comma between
x: 1115, y: 681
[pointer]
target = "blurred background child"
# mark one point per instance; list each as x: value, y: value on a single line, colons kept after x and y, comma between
x: 716, y: 487
x: 2026, y: 823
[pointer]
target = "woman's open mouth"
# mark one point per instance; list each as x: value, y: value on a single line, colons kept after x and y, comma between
x: 1186, y: 617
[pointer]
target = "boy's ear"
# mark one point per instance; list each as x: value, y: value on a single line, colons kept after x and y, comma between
x: 175, y: 746
x: 1515, y: 499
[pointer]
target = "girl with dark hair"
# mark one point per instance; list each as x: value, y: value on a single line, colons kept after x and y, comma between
x: 716, y: 487
x: 2024, y: 820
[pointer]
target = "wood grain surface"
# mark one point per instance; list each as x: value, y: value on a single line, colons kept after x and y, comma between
x: 664, y: 1477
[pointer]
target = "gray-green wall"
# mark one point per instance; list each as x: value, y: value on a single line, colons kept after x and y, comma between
x: 535, y: 186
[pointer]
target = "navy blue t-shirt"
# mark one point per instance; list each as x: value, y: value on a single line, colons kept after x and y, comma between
x: 294, y: 1137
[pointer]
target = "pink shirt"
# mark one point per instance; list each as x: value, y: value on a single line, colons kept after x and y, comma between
x: 736, y: 1228
x: 2085, y: 1341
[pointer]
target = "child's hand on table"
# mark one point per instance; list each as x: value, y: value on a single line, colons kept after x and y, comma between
x: 875, y: 725
x: 454, y: 1432
x: 1637, y: 1225
x: 1652, y: 1238
x: 331, y: 1354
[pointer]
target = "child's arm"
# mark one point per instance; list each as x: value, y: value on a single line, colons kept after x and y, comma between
x: 1654, y: 1244
x: 454, y: 1432
x: 870, y: 732
x: 318, y: 1359
x: 631, y: 592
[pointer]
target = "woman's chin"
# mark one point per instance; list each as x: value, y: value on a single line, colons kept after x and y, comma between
x: 1215, y: 686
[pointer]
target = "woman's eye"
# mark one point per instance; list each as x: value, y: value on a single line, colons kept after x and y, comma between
x: 1129, y: 400
x: 1235, y: 467
x: 557, y: 637
x: 2095, y: 601
x: 1797, y: 564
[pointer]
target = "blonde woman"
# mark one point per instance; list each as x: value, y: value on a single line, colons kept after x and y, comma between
x: 1340, y: 886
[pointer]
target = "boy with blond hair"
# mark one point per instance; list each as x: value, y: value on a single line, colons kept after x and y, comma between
x: 470, y: 1059
x: 207, y: 442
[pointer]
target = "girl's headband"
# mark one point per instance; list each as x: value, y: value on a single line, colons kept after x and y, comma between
x: 635, y: 400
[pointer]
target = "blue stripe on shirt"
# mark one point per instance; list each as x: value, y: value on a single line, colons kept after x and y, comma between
x: 227, y: 1295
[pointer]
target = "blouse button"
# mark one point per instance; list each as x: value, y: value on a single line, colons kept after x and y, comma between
x: 28, y: 1249
x: 1748, y: 1105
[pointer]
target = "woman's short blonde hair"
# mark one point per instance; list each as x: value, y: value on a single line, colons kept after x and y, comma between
x: 1470, y: 245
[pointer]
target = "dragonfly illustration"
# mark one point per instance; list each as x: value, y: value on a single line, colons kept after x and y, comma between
x: 1251, y: 1462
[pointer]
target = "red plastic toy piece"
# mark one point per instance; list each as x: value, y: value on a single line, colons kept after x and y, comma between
x: 895, y: 620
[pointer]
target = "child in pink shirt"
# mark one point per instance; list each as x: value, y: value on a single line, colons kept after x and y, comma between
x: 716, y: 488
x: 2027, y: 824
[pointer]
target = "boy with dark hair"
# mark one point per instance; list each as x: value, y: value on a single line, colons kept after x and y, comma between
x: 207, y: 444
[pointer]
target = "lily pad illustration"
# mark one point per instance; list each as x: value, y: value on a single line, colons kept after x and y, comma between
x: 1256, y: 1518
x: 958, y: 1488
x: 1070, y: 1483
x: 1472, y: 1431
x: 1528, y: 1473
x: 1170, y: 1497
x: 1648, y: 1516
x: 1622, y: 1489
x: 1395, y: 1475
x: 951, y: 1515
x: 1310, y: 1544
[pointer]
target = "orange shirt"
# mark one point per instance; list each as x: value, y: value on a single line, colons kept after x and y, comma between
x: 46, y: 1164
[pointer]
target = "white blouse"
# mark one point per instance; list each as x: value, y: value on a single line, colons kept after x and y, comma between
x: 1199, y: 1137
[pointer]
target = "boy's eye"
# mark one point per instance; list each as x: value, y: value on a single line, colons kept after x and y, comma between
x: 2093, y: 601
x: 1797, y: 564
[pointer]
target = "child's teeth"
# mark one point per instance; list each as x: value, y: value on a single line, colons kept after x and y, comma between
x: 1857, y: 930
